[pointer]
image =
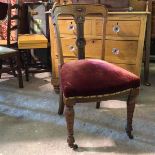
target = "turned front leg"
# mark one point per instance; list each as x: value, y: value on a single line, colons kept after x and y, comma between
x: 69, y: 114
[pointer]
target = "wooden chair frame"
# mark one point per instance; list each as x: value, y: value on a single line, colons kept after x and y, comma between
x: 11, y: 44
x: 11, y: 53
x: 31, y: 44
x: 25, y: 52
x: 79, y: 12
x: 14, y: 17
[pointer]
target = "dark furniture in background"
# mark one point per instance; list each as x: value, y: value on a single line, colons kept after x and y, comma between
x: 7, y: 54
x: 38, y: 24
x: 112, y: 5
x: 25, y: 42
x: 3, y: 10
x: 33, y: 41
x: 11, y: 57
x: 152, y: 57
x: 34, y: 20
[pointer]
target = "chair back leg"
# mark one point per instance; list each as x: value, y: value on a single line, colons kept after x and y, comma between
x: 97, y: 105
x: 20, y: 79
x: 0, y: 68
x: 130, y: 110
x: 12, y: 67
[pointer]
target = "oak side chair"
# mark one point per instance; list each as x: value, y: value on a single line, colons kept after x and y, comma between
x: 90, y: 80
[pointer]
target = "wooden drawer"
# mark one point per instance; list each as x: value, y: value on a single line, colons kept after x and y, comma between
x: 153, y: 25
x: 69, y: 27
x: 119, y: 28
x: 130, y: 68
x: 153, y: 8
x: 121, y: 51
x: 65, y: 60
x: 93, y: 48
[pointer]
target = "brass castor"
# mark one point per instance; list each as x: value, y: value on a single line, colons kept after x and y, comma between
x: 74, y: 146
x: 129, y: 133
x: 147, y: 84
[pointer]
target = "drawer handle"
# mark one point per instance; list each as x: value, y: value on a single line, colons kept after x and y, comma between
x: 116, y: 28
x: 72, y: 48
x: 115, y: 51
x: 65, y: 2
x: 71, y: 27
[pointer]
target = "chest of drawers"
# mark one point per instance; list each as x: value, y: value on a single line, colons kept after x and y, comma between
x: 125, y: 32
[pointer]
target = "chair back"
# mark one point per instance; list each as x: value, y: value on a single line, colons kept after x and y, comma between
x: 13, y: 18
x: 3, y: 10
x: 78, y: 12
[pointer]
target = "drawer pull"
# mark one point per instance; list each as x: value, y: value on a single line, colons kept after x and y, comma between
x: 72, y: 48
x: 65, y: 2
x: 116, y: 28
x: 115, y: 51
x: 71, y: 27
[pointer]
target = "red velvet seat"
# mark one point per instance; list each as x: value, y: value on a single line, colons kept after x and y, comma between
x: 95, y: 77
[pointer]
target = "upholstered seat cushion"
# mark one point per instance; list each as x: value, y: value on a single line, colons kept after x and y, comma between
x: 5, y: 50
x: 95, y: 77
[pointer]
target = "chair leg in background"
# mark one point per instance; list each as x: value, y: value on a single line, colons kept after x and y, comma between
x: 69, y: 114
x: 130, y: 110
x: 26, y: 73
x: 1, y: 68
x: 26, y: 66
x: 98, y: 105
x: 20, y: 79
x: 61, y: 104
x: 12, y: 67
